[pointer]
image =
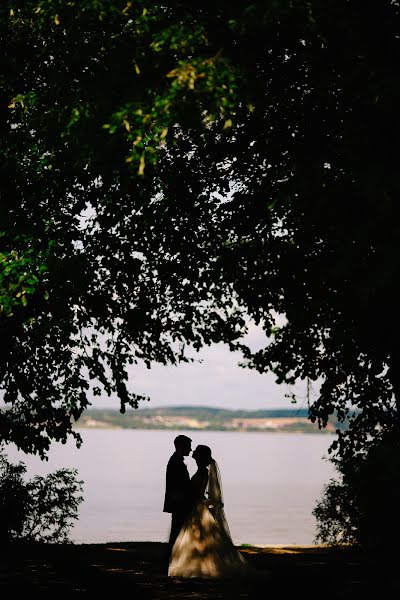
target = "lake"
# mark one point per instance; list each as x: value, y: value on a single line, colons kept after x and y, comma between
x: 271, y: 482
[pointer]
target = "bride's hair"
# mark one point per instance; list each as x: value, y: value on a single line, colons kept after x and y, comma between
x: 204, y: 453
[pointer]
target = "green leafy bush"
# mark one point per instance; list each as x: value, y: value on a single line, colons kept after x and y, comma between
x: 361, y: 506
x: 41, y: 509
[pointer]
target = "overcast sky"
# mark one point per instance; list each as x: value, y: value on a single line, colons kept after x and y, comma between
x: 216, y: 381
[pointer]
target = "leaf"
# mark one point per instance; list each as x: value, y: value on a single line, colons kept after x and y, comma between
x: 142, y: 165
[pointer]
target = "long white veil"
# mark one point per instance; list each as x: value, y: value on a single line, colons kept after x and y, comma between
x: 215, y: 497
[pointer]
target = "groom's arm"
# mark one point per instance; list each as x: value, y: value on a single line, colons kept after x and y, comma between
x: 177, y: 487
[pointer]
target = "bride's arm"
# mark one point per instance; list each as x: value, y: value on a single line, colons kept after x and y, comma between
x: 199, y: 484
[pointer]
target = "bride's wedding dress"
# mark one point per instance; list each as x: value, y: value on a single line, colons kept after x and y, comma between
x: 204, y: 547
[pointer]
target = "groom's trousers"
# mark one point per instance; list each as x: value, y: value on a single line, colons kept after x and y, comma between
x: 177, y: 521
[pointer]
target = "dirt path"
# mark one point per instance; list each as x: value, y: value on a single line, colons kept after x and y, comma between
x: 138, y: 569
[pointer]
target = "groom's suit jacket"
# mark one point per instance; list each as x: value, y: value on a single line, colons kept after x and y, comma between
x: 178, y: 488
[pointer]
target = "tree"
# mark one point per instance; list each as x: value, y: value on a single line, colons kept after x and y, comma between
x: 170, y: 170
x: 71, y: 314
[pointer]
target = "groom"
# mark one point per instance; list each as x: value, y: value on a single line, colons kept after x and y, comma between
x: 178, y: 492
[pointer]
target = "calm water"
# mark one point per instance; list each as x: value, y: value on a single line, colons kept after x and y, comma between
x: 270, y: 482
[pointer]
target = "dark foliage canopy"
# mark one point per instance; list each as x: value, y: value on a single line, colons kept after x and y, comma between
x: 169, y: 170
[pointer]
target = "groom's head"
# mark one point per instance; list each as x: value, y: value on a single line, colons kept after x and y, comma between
x: 183, y: 445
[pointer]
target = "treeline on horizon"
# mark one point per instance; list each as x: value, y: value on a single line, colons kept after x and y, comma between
x: 216, y: 418
x: 203, y: 412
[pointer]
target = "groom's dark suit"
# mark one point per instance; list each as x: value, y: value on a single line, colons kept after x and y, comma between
x: 178, y: 495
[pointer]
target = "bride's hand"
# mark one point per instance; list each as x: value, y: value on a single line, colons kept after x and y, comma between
x: 214, y: 506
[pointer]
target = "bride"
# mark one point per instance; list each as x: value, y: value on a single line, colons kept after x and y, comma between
x: 204, y: 547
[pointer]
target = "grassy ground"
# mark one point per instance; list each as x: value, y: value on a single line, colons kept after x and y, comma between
x: 138, y: 569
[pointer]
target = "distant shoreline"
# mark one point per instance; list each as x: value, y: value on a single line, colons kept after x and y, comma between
x: 193, y: 418
x: 247, y: 430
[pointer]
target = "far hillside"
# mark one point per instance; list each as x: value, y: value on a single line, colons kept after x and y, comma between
x: 206, y: 418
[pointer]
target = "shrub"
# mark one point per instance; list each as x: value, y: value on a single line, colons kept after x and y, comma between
x: 41, y: 509
x: 361, y: 507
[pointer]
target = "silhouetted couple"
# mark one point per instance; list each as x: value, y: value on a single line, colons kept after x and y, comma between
x: 200, y: 543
